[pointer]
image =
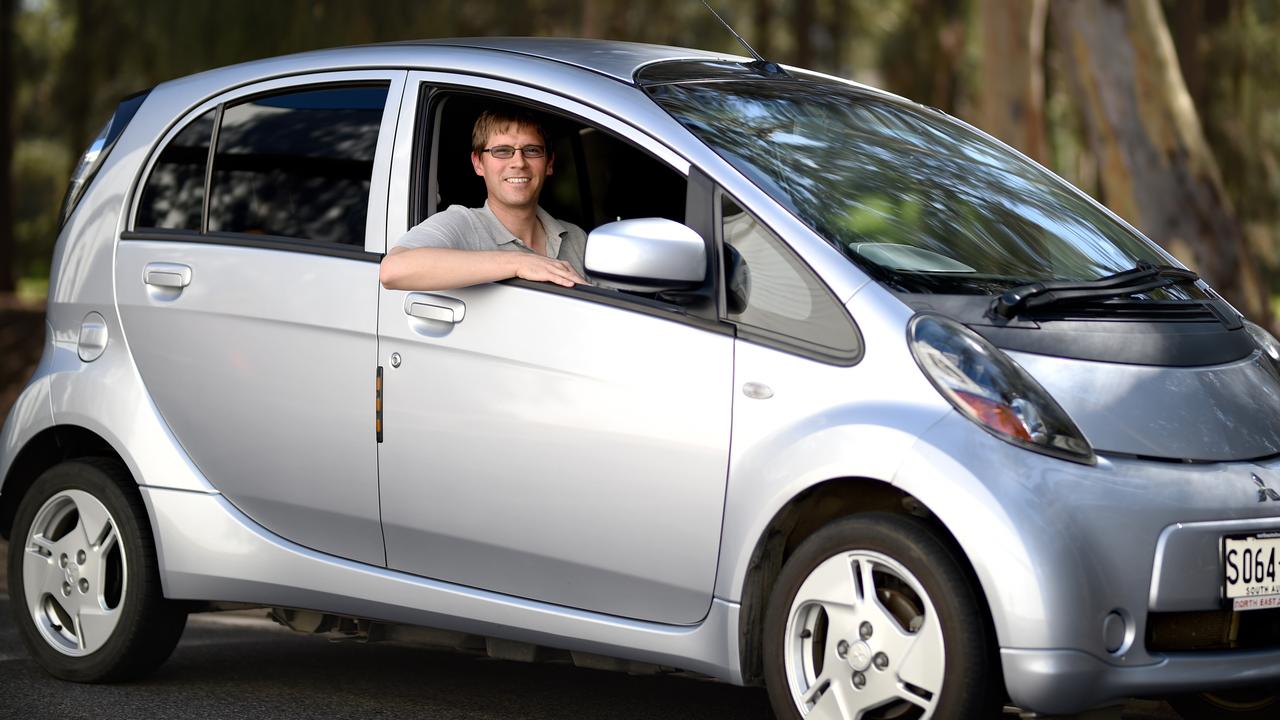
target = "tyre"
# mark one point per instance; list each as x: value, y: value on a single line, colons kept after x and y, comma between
x: 1260, y: 703
x: 873, y: 617
x: 85, y: 586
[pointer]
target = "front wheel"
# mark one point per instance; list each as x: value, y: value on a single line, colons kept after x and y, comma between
x: 1259, y: 703
x: 85, y: 584
x: 873, y: 617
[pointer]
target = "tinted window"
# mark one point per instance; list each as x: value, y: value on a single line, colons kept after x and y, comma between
x: 770, y: 289
x: 173, y: 197
x: 297, y: 164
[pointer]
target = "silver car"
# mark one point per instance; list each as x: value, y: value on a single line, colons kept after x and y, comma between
x: 861, y: 404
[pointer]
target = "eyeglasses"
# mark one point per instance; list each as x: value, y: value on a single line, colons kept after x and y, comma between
x: 506, y: 152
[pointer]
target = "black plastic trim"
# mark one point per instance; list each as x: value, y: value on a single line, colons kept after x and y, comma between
x: 1125, y: 336
x: 1173, y: 344
x: 793, y: 346
x: 264, y: 242
x: 700, y: 216
x: 428, y: 121
x: 208, y: 167
x: 1260, y: 460
x: 684, y: 70
x: 424, y: 144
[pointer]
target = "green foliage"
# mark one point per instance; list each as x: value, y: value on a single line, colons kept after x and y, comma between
x: 39, y: 164
x: 31, y: 290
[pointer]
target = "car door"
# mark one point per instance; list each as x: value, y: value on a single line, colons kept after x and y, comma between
x: 565, y: 446
x: 247, y: 292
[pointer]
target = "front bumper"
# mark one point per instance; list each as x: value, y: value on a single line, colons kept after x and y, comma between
x: 1061, y: 550
x: 1067, y: 681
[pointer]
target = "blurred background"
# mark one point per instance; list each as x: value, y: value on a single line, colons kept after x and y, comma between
x: 1168, y: 111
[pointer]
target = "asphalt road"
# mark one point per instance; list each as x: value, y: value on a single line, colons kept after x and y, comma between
x: 237, y: 665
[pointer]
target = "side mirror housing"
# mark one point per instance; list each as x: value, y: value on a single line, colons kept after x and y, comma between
x: 646, y: 255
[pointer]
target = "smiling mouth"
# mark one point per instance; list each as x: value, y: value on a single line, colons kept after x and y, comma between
x: 517, y: 180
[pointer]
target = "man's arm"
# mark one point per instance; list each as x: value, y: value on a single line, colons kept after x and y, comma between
x: 437, y: 268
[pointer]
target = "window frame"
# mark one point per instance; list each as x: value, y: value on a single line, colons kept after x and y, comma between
x: 420, y: 111
x: 375, y: 211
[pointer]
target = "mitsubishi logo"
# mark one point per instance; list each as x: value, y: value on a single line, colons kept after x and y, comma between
x: 1265, y: 493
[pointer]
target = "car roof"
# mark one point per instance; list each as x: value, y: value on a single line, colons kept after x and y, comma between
x: 616, y: 59
x: 613, y: 60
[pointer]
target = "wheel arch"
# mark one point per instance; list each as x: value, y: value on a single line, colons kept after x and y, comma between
x: 805, y: 514
x: 45, y: 449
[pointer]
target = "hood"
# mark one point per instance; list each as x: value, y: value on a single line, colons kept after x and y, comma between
x: 1225, y: 412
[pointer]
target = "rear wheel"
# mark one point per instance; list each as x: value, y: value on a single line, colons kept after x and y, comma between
x: 874, y: 618
x: 85, y: 584
x: 1258, y: 703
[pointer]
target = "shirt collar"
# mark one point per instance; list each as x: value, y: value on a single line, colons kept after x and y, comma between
x: 550, y: 225
x: 554, y: 231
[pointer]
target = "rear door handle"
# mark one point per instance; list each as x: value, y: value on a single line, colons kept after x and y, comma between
x: 168, y: 275
x: 434, y: 307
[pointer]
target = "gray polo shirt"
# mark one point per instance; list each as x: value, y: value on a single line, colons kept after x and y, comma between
x: 465, y: 228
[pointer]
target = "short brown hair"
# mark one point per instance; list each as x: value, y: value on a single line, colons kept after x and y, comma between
x: 497, y: 120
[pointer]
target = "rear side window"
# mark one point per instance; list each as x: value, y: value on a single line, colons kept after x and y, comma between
x: 297, y: 164
x: 173, y: 198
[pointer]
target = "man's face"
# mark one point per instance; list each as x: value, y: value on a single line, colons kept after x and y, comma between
x: 517, y: 181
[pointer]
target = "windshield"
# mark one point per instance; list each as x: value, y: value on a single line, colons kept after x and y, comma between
x: 922, y: 202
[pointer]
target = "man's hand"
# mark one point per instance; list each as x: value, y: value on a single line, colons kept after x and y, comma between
x: 448, y: 268
x: 545, y: 269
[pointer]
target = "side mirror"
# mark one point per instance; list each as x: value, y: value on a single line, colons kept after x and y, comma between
x: 646, y: 255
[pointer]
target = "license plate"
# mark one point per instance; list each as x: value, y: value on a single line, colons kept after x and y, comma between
x: 1252, y: 567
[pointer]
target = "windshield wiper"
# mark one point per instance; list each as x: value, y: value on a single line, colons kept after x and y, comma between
x: 1145, y: 277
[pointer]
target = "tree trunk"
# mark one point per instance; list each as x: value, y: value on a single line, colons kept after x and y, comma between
x: 593, y: 19
x: 802, y: 30
x: 1187, y: 28
x: 764, y: 26
x: 1012, y: 103
x: 8, y: 13
x: 922, y: 59
x: 839, y: 37
x: 80, y: 85
x: 1155, y: 168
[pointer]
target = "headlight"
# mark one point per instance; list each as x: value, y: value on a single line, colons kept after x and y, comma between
x: 989, y: 388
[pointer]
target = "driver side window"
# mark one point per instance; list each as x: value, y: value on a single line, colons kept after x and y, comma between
x: 599, y: 177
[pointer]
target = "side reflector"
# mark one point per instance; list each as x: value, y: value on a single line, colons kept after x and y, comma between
x: 377, y: 404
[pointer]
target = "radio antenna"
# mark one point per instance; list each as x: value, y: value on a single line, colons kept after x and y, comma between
x: 761, y: 65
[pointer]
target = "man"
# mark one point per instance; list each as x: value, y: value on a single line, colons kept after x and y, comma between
x: 510, y: 236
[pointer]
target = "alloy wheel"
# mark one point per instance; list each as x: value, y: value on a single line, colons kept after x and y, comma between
x: 863, y: 640
x: 74, y: 573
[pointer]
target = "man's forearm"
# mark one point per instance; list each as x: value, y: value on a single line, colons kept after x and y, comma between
x: 444, y: 268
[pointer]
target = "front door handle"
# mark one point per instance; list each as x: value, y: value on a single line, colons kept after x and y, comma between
x: 167, y: 275
x: 434, y: 307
